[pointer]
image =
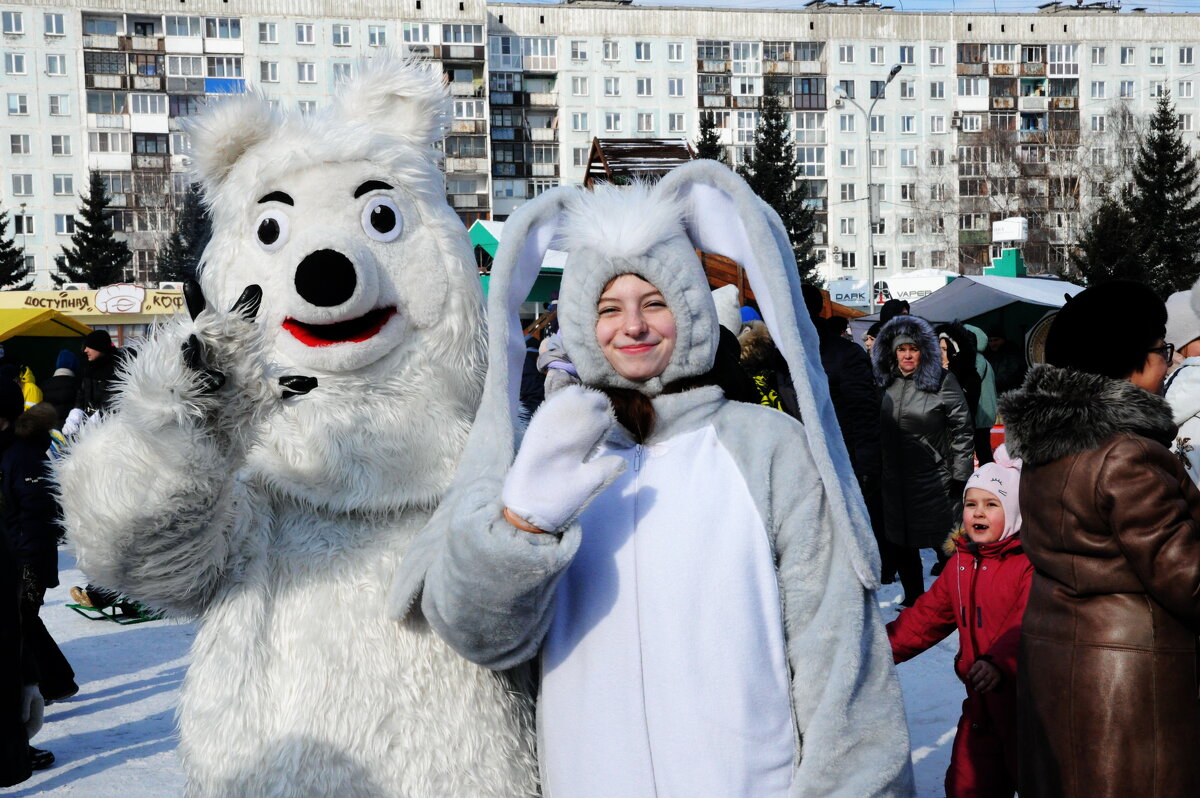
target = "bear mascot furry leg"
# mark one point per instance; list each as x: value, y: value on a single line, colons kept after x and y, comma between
x: 267, y: 463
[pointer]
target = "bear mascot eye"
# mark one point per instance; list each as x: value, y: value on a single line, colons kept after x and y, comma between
x: 271, y: 230
x: 381, y: 219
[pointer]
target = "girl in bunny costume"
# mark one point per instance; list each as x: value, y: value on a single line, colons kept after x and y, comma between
x: 689, y: 573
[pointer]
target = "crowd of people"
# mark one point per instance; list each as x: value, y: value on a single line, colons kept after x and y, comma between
x: 33, y: 671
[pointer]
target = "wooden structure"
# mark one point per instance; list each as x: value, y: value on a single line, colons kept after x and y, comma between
x: 722, y: 271
x: 624, y: 160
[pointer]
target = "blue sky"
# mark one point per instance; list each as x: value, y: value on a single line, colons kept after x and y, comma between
x: 1009, y: 6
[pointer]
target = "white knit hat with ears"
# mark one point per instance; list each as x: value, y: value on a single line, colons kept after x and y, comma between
x: 1183, y: 317
x: 716, y: 212
x: 1002, y: 479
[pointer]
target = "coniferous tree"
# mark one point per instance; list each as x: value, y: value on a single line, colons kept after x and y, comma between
x: 1106, y: 249
x: 180, y: 256
x: 95, y: 256
x: 772, y: 171
x: 15, y: 275
x: 1164, y: 206
x: 708, y: 143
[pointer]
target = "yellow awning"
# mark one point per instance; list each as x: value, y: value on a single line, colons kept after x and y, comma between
x: 40, y: 322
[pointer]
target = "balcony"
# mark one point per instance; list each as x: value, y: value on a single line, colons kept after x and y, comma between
x: 541, y: 63
x: 543, y: 134
x: 1004, y: 103
x: 1064, y: 103
x: 807, y: 67
x: 972, y: 69
x: 101, y: 41
x: 149, y: 123
x: 185, y: 85
x: 458, y: 52
x: 544, y: 170
x: 466, y: 201
x: 974, y: 237
x: 150, y: 162
x: 543, y: 99
x: 1032, y: 69
x: 746, y: 101
x: 151, y: 44
x: 714, y: 101
x: 777, y: 67
x: 1033, y: 102
x: 1003, y: 69
x: 713, y: 66
x: 116, y: 82
x: 468, y: 165
x: 468, y: 126
x: 108, y: 121
x: 147, y: 83
x: 466, y: 89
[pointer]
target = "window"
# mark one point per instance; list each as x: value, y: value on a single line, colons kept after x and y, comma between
x: 99, y: 26
x: 907, y: 54
x: 185, y: 66
x: 845, y: 53
x: 675, y: 51
x: 908, y: 124
x: 1185, y: 122
x: 468, y: 109
x: 848, y: 260
x: 268, y: 33
x: 908, y: 226
x: 462, y: 34
x: 579, y: 156
x: 880, y: 259
x: 846, y: 158
x: 972, y: 123
x: 1185, y: 56
x: 269, y: 71
x: 937, y: 90
x: 340, y: 35
x: 878, y: 157
x: 1097, y: 123
x: 972, y: 86
x: 579, y: 86
x: 908, y: 89
x: 1098, y: 90
x: 222, y: 27
x: 645, y: 87
x: 908, y: 259
x: 675, y: 123
x: 1185, y: 89
x: 674, y: 87
x: 64, y: 224
x: 14, y: 63
x: 56, y: 65
x: 60, y: 105
x: 877, y: 89
x: 579, y: 51
x: 878, y: 123
x: 342, y: 70
x: 612, y: 121
x: 224, y: 67
x: 18, y: 143
x: 937, y: 123
x: 846, y: 191
x: 1002, y: 53
x: 150, y: 143
x: 641, y: 51
x: 1127, y: 56
x: 611, y: 51
x: 23, y: 225
x: 908, y: 192
x: 937, y: 157
x: 307, y: 106
x: 1127, y: 89
x: 305, y: 33
x: 846, y: 123
x: 377, y: 36
x: 63, y: 184
x: 612, y: 87
x: 415, y: 32
x: 60, y: 144
x: 22, y: 185
x: 306, y: 72
x: 149, y: 104
x: 847, y: 87
x: 810, y: 93
x: 937, y: 55
x: 579, y: 121
x: 18, y: 104
x: 14, y: 22
x: 1098, y: 56
x: 645, y: 122
x: 53, y: 25
x: 1063, y: 59
x: 846, y: 225
x: 1157, y: 88
x: 181, y: 26
x: 1156, y: 56
x: 876, y: 55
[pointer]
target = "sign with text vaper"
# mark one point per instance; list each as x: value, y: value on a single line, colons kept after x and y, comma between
x: 907, y: 287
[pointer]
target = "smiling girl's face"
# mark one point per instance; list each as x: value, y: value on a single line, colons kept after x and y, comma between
x: 983, y: 516
x: 634, y: 328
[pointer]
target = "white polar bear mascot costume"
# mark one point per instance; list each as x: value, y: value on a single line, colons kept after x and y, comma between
x: 267, y: 463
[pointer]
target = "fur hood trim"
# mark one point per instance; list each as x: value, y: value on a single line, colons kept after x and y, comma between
x: 758, y: 349
x: 883, y: 354
x: 1061, y: 412
x: 36, y: 422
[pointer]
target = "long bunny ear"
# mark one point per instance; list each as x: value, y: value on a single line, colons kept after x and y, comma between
x: 726, y: 218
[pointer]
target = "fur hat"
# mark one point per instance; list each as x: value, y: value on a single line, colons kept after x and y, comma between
x: 1001, y: 478
x: 1183, y: 322
x: 1107, y: 329
x: 907, y: 330
x: 100, y: 341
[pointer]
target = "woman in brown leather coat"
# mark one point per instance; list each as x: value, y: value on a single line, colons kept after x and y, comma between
x: 1108, y: 688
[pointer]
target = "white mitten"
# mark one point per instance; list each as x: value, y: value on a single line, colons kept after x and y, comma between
x: 33, y: 708
x: 556, y: 474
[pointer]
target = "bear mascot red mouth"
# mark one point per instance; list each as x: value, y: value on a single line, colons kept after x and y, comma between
x: 348, y: 331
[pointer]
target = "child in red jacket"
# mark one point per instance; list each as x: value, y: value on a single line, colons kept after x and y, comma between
x: 982, y: 592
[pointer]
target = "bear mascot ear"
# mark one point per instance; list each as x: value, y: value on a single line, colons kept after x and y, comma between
x: 224, y: 132
x: 395, y: 97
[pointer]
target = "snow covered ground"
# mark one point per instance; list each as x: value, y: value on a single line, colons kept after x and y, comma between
x: 116, y: 738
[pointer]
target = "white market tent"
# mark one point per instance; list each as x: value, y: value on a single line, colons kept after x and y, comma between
x: 973, y: 295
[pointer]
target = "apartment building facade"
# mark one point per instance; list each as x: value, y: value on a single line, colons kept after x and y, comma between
x: 990, y: 115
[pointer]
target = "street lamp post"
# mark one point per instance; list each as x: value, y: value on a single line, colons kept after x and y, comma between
x: 24, y: 235
x: 872, y: 194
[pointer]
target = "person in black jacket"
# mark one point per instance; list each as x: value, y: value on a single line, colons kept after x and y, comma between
x: 28, y: 516
x: 62, y: 389
x: 98, y: 386
x: 856, y: 402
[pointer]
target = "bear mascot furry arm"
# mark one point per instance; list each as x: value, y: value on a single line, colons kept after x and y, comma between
x: 279, y: 522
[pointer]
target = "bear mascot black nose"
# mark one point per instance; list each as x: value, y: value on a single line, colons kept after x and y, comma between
x: 325, y: 278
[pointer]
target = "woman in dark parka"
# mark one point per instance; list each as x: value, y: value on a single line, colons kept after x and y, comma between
x: 1108, y: 699
x: 927, y: 437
